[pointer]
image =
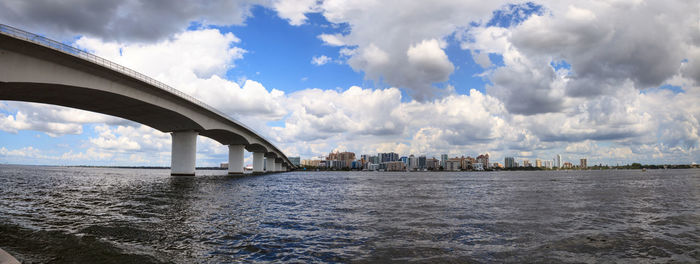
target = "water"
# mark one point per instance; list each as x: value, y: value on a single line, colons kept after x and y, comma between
x: 88, y: 215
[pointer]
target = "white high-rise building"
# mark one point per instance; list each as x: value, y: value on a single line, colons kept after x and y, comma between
x: 558, y: 161
x: 412, y: 162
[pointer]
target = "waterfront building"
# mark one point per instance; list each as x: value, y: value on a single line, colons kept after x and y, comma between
x: 432, y: 164
x: 467, y: 162
x: 372, y: 166
x: 443, y: 159
x: 548, y: 164
x: 567, y: 165
x: 557, y: 161
x: 509, y: 162
x: 223, y: 165
x: 412, y: 162
x: 484, y: 160
x: 395, y: 166
x: 404, y: 159
x: 526, y: 163
x: 454, y: 164
x: 340, y: 160
x: 583, y: 163
x: 422, y: 162
x: 311, y: 162
x: 538, y: 163
x: 497, y: 165
x: 387, y: 157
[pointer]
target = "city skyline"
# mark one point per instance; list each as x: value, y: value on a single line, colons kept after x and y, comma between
x: 527, y: 80
x: 349, y: 160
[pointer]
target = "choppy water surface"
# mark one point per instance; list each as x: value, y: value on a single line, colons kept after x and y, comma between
x: 50, y: 214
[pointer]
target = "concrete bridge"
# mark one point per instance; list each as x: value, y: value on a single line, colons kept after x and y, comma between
x: 37, y: 69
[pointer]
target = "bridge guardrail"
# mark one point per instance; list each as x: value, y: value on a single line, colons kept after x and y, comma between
x: 67, y: 49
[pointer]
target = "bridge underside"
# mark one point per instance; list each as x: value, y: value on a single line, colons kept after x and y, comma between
x: 100, y: 102
x: 115, y: 105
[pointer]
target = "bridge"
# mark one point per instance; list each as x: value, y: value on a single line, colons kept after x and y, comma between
x: 37, y: 69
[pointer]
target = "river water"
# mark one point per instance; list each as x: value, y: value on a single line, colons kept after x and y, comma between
x: 105, y: 215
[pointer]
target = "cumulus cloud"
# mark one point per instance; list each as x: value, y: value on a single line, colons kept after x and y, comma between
x: 318, y: 114
x: 30, y: 152
x: 136, y: 20
x: 50, y: 119
x: 198, y: 72
x: 295, y: 10
x: 379, y: 39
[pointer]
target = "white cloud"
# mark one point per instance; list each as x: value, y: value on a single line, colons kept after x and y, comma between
x: 294, y: 10
x: 135, y: 20
x: 209, y: 52
x: 332, y: 39
x: 379, y: 38
x: 30, y: 152
x: 320, y: 60
x: 197, y: 72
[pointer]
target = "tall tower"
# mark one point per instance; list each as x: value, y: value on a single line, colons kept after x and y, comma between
x: 558, y: 160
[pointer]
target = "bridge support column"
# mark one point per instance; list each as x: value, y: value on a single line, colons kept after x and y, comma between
x: 183, y: 153
x: 278, y: 166
x: 269, y: 165
x: 235, y: 159
x: 258, y: 162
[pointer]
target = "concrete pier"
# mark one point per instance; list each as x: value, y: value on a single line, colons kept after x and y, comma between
x: 269, y: 165
x: 258, y: 162
x: 183, y: 153
x: 278, y: 166
x: 235, y: 159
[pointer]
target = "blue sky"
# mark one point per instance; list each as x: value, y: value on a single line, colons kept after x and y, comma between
x: 524, y: 79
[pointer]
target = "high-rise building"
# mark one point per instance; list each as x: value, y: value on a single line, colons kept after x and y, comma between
x: 548, y: 164
x: 412, y: 162
x: 557, y: 161
x: 526, y: 163
x: 538, y: 163
x: 584, y: 163
x: 432, y: 164
x: 341, y: 160
x: 509, y: 162
x: 422, y: 164
x: 388, y: 157
x: 443, y: 159
x: 484, y: 160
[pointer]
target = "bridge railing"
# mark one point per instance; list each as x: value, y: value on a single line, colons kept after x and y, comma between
x: 55, y: 45
x: 49, y: 43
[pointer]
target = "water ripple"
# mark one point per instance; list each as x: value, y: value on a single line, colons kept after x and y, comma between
x: 67, y: 215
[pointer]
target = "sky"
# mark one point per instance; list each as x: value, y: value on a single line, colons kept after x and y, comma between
x: 614, y: 81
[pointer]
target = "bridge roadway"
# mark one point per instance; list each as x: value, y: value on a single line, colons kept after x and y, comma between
x: 37, y: 69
